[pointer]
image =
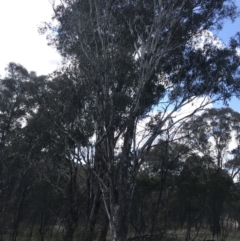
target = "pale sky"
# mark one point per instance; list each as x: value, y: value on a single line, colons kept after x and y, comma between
x: 20, y: 41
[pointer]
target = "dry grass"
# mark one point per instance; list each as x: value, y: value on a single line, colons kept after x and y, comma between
x: 178, y: 235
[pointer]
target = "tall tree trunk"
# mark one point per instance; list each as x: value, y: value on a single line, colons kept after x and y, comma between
x: 119, y: 216
x: 120, y: 203
x: 104, y: 228
x: 95, y: 193
x: 121, y: 189
x: 72, y: 219
x: 94, y: 209
x: 69, y: 231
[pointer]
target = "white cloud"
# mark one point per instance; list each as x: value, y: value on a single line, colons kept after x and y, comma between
x: 20, y: 41
x: 203, y: 38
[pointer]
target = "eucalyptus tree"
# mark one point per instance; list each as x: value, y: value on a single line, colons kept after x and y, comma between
x: 12, y: 111
x: 59, y: 111
x: 33, y: 154
x: 233, y: 164
x: 129, y: 56
x: 201, y: 199
x: 14, y: 163
x: 211, y: 135
x: 151, y: 214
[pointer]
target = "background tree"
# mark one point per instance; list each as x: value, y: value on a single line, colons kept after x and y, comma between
x: 212, y: 132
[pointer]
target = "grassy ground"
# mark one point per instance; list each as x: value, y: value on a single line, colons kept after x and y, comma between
x: 234, y: 235
x: 179, y: 235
